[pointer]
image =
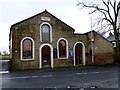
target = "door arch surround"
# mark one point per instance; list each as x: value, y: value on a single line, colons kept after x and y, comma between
x: 41, y: 52
x: 83, y: 53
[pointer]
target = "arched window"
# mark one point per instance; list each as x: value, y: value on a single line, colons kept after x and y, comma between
x: 27, y: 49
x: 45, y: 31
x: 62, y: 49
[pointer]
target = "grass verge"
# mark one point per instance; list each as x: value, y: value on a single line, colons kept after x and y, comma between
x: 4, y: 57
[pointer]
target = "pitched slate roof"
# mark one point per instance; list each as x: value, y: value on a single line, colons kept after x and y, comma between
x: 45, y: 11
x: 111, y: 38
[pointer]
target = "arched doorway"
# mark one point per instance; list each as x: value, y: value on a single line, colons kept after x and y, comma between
x: 46, y: 56
x: 79, y: 53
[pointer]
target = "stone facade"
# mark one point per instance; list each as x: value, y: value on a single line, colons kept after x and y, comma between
x: 31, y: 28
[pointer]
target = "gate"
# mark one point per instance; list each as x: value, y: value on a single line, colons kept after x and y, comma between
x: 4, y: 66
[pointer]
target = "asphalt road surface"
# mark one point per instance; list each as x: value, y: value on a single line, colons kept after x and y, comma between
x: 98, y: 77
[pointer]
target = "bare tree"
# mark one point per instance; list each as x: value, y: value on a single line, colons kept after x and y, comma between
x: 108, y: 11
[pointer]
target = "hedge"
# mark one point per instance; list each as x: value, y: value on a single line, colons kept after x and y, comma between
x: 117, y: 57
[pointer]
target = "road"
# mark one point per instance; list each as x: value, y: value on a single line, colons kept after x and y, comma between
x: 99, y: 77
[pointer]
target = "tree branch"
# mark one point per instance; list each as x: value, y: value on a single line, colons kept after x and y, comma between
x: 108, y: 10
x: 110, y: 13
x: 118, y: 9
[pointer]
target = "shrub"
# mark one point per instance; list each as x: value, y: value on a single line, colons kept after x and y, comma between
x: 117, y: 57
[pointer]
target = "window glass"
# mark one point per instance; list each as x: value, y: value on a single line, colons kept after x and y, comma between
x: 45, y: 33
x: 27, y: 49
x: 62, y: 49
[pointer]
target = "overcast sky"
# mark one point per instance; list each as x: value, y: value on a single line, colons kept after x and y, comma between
x: 13, y: 11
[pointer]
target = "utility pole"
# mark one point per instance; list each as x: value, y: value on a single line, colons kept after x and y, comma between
x: 92, y: 42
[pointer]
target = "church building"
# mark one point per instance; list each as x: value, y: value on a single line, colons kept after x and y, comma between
x: 44, y: 41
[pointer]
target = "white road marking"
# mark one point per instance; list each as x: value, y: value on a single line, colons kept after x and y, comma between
x: 25, y: 77
x: 17, y: 77
x: 93, y: 72
x: 85, y: 73
x: 3, y: 72
x: 79, y: 73
x: 34, y: 76
x: 46, y: 76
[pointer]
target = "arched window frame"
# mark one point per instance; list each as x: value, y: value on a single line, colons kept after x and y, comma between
x: 83, y: 52
x: 41, y: 31
x: 32, y: 49
x: 66, y: 48
x: 40, y: 54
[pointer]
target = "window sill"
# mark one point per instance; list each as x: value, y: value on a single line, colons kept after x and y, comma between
x: 27, y: 59
x: 63, y: 58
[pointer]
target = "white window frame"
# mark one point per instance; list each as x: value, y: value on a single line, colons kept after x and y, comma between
x: 40, y: 54
x: 41, y: 31
x: 66, y: 48
x: 33, y: 50
x: 83, y: 52
x: 114, y: 44
x: 10, y: 44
